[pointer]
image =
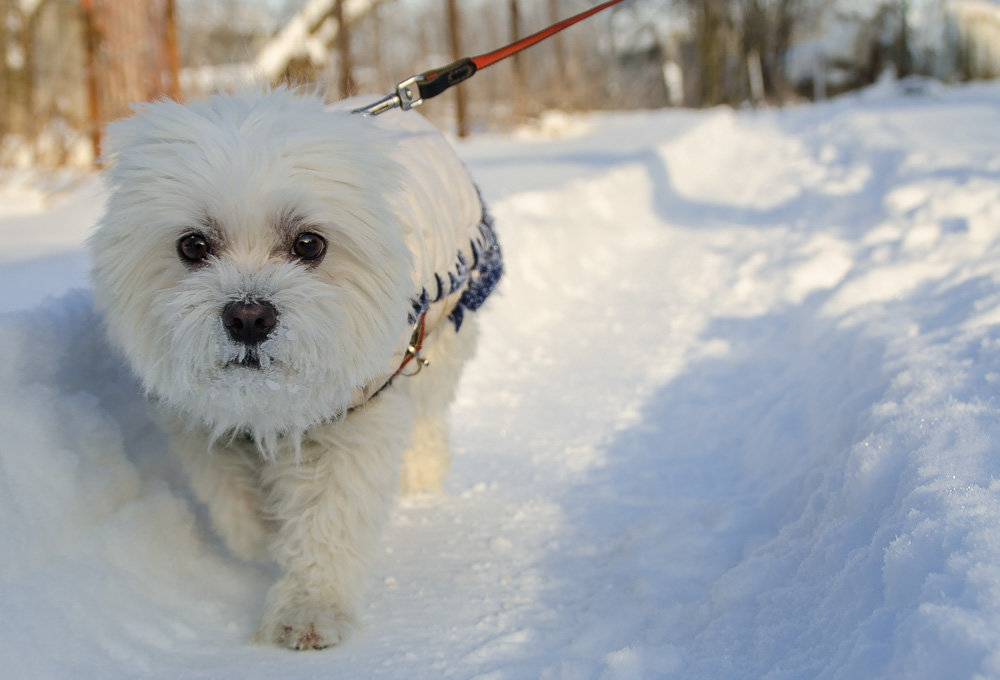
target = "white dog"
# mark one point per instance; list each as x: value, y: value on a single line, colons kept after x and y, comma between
x: 278, y: 274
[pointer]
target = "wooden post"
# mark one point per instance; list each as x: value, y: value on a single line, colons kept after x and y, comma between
x: 454, y: 34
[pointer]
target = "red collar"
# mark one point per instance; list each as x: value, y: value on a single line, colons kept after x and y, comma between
x: 412, y: 352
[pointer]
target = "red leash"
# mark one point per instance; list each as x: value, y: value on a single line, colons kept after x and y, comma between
x: 416, y: 89
x: 490, y: 58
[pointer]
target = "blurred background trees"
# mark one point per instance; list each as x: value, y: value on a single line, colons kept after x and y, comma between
x: 68, y: 66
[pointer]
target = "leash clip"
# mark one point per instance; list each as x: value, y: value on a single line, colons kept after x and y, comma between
x: 413, y: 352
x: 408, y: 92
x: 407, y: 96
x: 412, y: 92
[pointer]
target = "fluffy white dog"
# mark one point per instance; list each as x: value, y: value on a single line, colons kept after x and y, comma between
x: 277, y: 273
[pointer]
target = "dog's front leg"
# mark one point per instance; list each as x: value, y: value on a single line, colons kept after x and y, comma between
x: 225, y: 480
x: 330, y: 506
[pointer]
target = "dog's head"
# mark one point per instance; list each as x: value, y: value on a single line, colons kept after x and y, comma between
x: 250, y: 263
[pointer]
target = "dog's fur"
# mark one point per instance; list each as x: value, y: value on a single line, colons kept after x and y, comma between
x: 295, y: 458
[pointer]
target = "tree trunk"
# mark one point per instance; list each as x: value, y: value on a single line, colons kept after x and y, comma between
x: 380, y: 76
x: 91, y: 45
x: 454, y: 35
x: 518, y: 86
x: 789, y: 12
x: 904, y: 66
x: 559, y: 75
x: 343, y: 44
x: 29, y: 28
x: 710, y: 37
x: 170, y: 48
x: 6, y: 107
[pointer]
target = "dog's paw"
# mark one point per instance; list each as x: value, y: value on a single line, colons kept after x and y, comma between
x: 305, y: 627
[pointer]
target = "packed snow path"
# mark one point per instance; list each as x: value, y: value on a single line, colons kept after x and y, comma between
x: 733, y: 415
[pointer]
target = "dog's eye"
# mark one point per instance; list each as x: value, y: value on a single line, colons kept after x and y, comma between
x: 193, y: 248
x: 308, y: 246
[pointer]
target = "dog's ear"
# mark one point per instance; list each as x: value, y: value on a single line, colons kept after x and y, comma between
x: 113, y: 140
x: 135, y: 134
x: 153, y: 128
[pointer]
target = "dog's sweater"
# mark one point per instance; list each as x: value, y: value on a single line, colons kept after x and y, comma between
x: 458, y: 263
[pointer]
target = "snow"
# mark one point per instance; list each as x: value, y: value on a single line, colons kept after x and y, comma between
x: 733, y: 415
x: 43, y: 221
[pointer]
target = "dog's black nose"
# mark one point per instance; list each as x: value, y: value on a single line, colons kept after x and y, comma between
x: 249, y: 322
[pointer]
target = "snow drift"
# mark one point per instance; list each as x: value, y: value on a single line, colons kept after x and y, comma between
x: 733, y: 415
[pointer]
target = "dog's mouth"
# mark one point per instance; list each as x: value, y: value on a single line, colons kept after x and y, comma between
x: 248, y: 359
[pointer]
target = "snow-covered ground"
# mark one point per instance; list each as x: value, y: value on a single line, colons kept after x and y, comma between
x: 733, y: 416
